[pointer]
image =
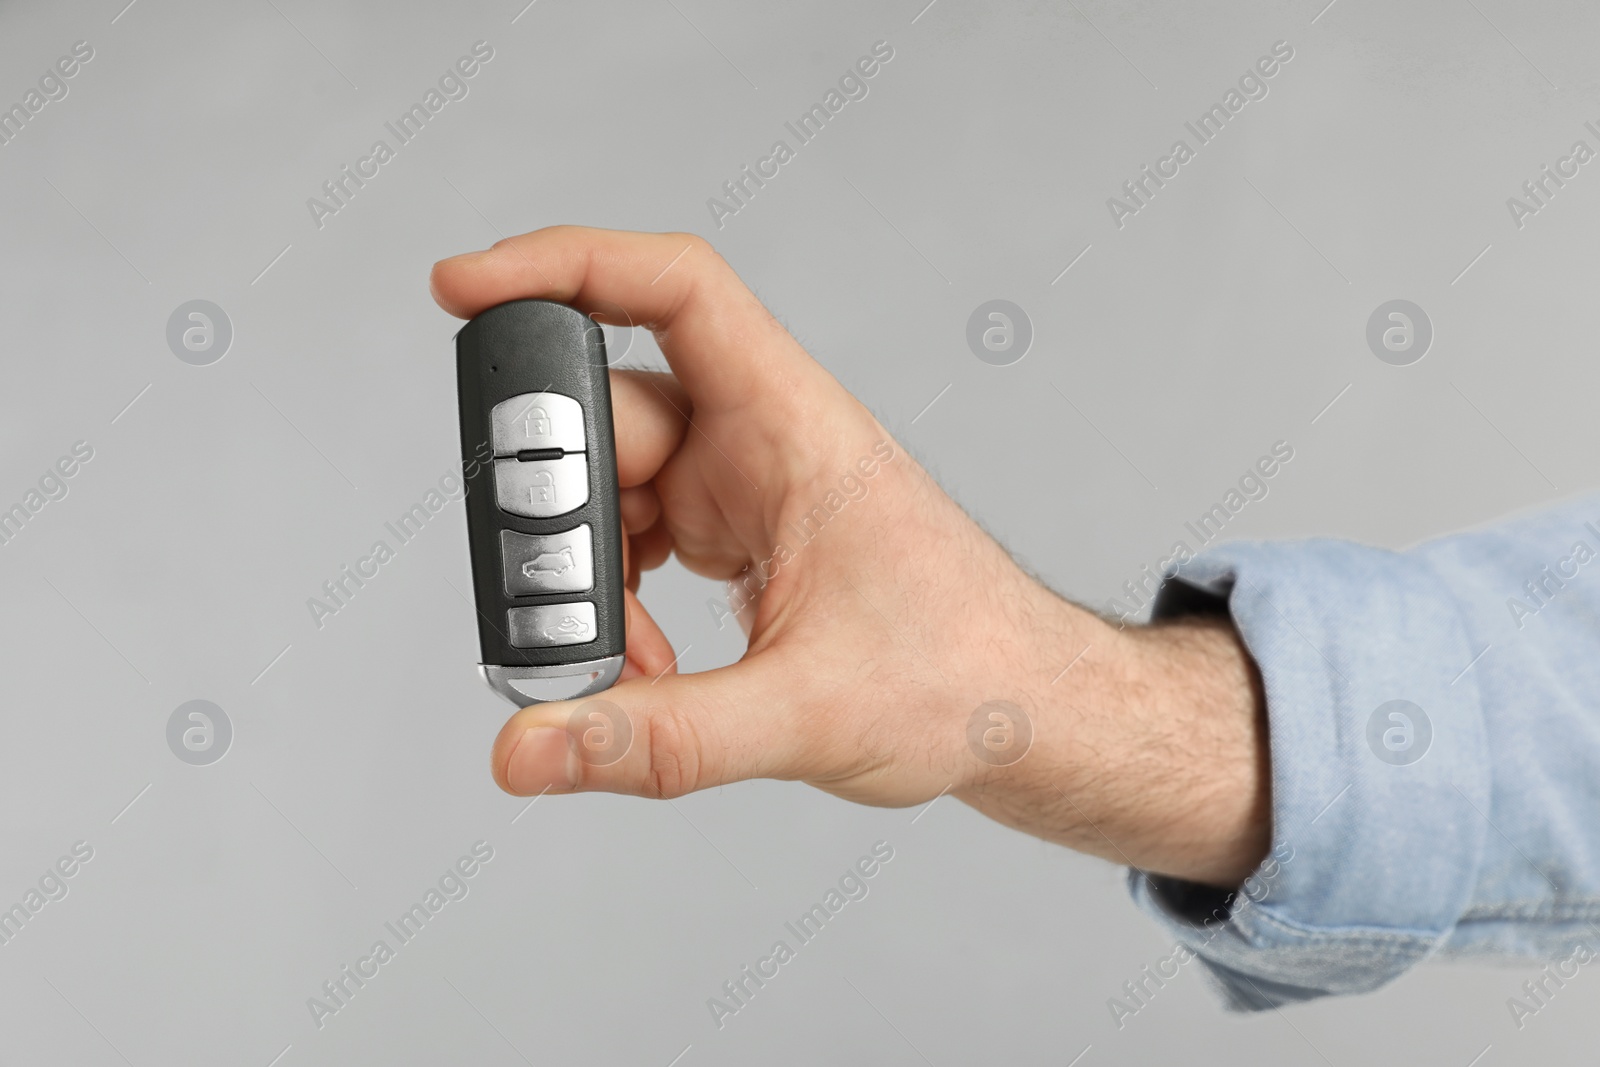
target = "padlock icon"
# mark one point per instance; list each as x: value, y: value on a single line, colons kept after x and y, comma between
x: 542, y: 488
x: 536, y: 423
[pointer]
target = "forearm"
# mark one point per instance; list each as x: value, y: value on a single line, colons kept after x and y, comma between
x: 1150, y: 750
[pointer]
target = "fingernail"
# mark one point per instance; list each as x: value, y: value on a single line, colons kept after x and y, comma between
x: 541, y: 760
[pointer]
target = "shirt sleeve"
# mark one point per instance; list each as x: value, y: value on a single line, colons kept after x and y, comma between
x: 1434, y: 720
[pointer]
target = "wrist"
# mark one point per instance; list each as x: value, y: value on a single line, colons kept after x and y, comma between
x: 1204, y: 713
x: 1148, y: 745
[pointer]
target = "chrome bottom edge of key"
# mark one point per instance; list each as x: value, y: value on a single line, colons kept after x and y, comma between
x: 567, y: 681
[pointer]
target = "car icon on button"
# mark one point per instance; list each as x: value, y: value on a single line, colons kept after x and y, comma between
x: 568, y: 626
x: 549, y: 563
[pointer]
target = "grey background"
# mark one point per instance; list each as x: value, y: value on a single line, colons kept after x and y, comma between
x: 1222, y: 318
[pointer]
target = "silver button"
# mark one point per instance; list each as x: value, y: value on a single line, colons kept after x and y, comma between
x: 552, y: 563
x: 551, y: 625
x: 532, y: 421
x: 541, y: 488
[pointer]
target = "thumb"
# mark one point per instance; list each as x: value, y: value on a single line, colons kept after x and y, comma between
x: 657, y: 738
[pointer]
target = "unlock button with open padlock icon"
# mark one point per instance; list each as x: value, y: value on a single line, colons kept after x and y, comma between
x: 543, y: 488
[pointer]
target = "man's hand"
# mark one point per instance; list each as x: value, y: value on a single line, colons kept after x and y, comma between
x: 895, y: 650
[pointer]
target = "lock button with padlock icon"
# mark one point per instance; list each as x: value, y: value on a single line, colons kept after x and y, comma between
x: 537, y: 422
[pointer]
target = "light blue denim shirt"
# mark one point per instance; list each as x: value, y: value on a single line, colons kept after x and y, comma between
x: 1463, y: 821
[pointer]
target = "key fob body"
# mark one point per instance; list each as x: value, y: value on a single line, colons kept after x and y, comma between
x: 539, y: 459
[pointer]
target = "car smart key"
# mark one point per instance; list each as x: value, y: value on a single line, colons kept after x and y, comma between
x: 539, y: 457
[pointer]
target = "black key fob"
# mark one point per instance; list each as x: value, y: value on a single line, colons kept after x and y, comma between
x: 540, y: 461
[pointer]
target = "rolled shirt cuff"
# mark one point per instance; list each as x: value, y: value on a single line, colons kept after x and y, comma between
x: 1380, y: 775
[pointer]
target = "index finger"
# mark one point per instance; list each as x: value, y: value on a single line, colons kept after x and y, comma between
x: 650, y: 423
x: 723, y: 345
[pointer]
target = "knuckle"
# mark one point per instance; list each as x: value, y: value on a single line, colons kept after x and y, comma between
x: 695, y: 242
x: 673, y: 760
x: 703, y: 253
